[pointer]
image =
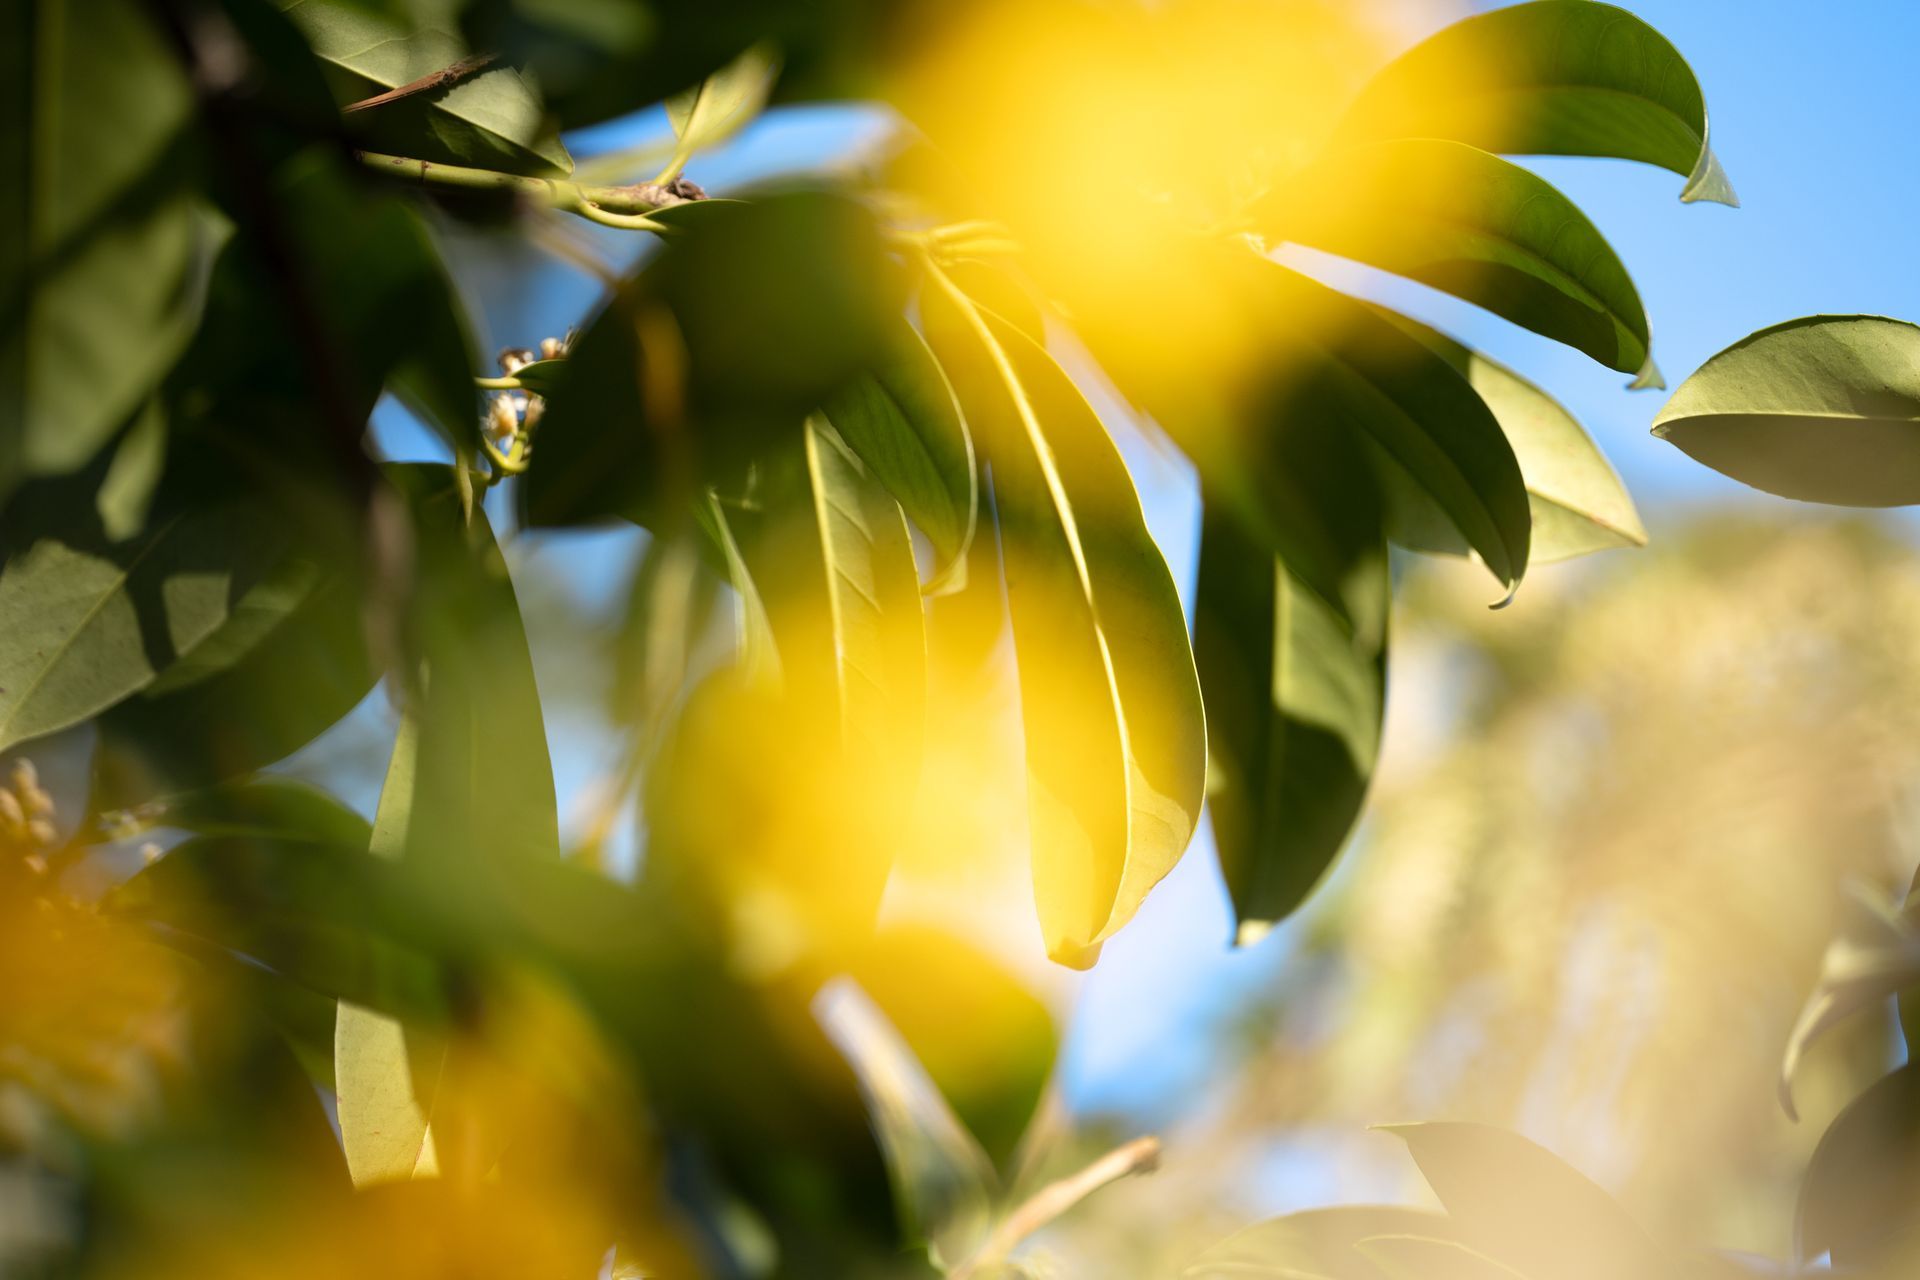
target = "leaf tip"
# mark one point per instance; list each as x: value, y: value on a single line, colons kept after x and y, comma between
x: 1252, y: 932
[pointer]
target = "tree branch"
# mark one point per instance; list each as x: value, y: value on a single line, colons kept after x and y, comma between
x: 619, y: 206
x: 425, y: 84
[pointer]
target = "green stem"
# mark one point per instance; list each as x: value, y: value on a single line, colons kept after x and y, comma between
x: 614, y: 206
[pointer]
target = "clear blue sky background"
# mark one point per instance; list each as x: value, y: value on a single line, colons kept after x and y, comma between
x: 1814, y: 117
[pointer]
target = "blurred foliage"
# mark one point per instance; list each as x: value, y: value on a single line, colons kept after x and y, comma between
x: 897, y: 619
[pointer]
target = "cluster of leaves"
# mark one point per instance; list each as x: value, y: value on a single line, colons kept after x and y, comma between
x: 203, y: 561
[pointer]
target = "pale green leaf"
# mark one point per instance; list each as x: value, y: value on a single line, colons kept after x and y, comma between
x: 126, y: 490
x: 720, y: 106
x: 1578, y: 503
x: 384, y: 1124
x: 1110, y: 701
x: 1874, y: 956
x: 490, y: 118
x: 1482, y: 228
x: 1823, y: 409
x: 1551, y: 77
x: 943, y: 1182
x: 84, y: 623
x: 901, y: 419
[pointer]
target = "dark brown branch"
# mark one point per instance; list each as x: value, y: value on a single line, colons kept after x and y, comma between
x: 440, y: 79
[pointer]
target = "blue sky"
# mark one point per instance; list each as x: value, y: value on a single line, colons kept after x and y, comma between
x: 1814, y: 120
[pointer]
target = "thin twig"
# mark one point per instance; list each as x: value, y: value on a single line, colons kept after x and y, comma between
x: 442, y: 78
x: 1139, y: 1156
x: 625, y: 207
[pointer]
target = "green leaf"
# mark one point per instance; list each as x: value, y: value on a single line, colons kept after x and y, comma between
x: 85, y: 622
x: 1579, y: 505
x: 832, y: 562
x: 1525, y: 1206
x: 719, y: 106
x: 490, y: 119
x: 671, y: 602
x: 1862, y: 1179
x: 943, y: 1182
x: 482, y: 790
x: 1552, y: 77
x: 384, y: 1129
x: 1353, y: 370
x: 1315, y: 1245
x: 126, y: 490
x: 107, y: 251
x: 1874, y: 956
x: 288, y: 663
x: 273, y: 808
x: 903, y: 422
x: 1423, y: 1258
x: 1116, y: 738
x: 749, y: 317
x: 1295, y: 689
x: 1476, y: 226
x: 1823, y: 409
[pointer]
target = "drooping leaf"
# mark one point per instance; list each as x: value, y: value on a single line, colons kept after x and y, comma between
x: 1863, y: 1177
x: 901, y: 419
x: 1484, y: 229
x: 106, y: 250
x: 384, y: 1126
x: 1823, y: 409
x: 1295, y: 690
x: 943, y: 1182
x: 1579, y: 505
x: 126, y: 490
x: 482, y: 790
x: 1550, y: 77
x: 1355, y: 371
x: 1874, y: 956
x: 1526, y: 1207
x: 1116, y: 747
x: 832, y: 562
x: 671, y: 603
x: 720, y: 106
x: 488, y: 118
x: 85, y: 622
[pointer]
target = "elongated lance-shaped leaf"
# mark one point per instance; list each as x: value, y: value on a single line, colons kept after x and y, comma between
x: 832, y: 560
x: 105, y: 252
x: 1578, y: 502
x: 482, y: 793
x: 485, y: 115
x: 1551, y: 77
x: 1353, y: 370
x: 1479, y: 227
x: 1823, y: 409
x: 671, y: 603
x: 1110, y: 702
x: 1295, y: 688
x: 902, y: 421
x: 943, y: 1182
x: 719, y: 106
x: 384, y: 1120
